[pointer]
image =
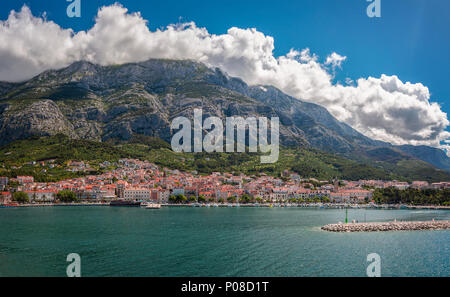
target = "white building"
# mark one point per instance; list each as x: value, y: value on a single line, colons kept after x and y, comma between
x: 137, y: 194
x: 41, y: 196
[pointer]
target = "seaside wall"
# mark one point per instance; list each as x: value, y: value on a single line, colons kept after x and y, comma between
x: 387, y: 226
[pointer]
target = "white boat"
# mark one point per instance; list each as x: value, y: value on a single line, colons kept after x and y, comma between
x: 153, y: 206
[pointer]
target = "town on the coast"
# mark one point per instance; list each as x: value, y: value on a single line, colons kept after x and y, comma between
x: 135, y: 180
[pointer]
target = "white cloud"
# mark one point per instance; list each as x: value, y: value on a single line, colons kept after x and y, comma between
x: 383, y: 108
x: 29, y: 45
x: 335, y: 60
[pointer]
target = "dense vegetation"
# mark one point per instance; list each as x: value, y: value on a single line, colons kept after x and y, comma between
x: 18, y: 159
x: 66, y: 196
x: 20, y: 197
x: 178, y: 199
x: 412, y: 196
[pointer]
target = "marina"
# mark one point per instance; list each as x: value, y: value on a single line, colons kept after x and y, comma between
x: 133, y: 203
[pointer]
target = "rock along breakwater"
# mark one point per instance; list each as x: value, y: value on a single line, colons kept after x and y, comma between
x: 387, y: 226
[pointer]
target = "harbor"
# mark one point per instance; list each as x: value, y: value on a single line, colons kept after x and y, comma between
x: 226, y: 205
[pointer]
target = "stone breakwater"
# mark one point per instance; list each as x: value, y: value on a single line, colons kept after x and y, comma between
x: 387, y: 226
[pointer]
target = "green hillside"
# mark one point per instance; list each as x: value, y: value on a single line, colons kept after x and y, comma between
x: 17, y: 159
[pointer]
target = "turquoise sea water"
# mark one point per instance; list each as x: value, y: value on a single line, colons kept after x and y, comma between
x: 214, y: 242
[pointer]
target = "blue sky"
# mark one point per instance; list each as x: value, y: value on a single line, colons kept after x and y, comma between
x: 410, y: 40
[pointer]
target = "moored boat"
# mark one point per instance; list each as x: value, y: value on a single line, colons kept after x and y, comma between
x: 153, y: 206
x: 125, y: 203
x: 10, y: 205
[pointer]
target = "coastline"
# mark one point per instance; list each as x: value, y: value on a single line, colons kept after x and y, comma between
x: 265, y: 205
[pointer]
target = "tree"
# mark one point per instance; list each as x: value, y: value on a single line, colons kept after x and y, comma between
x: 180, y: 198
x: 20, y: 197
x: 325, y: 199
x: 201, y: 198
x: 231, y: 199
x: 192, y: 199
x: 412, y: 196
x: 66, y: 196
x: 173, y: 199
x: 246, y: 199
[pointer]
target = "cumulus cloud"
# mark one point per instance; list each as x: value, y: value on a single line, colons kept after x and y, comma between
x: 335, y: 60
x: 383, y: 108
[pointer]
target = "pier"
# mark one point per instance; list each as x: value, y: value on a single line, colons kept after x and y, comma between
x: 388, y: 226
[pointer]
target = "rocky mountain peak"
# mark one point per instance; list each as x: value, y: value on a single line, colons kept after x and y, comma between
x: 90, y: 101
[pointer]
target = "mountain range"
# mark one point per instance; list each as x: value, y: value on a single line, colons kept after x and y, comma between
x: 116, y: 103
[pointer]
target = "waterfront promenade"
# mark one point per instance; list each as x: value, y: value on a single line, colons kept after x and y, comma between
x: 63, y: 204
x: 265, y: 205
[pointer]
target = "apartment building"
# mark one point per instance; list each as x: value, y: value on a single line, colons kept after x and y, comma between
x: 137, y: 194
